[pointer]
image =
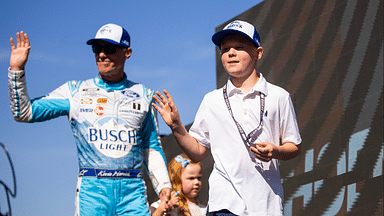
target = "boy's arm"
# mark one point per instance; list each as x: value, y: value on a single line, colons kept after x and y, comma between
x: 189, y: 144
x: 171, y: 117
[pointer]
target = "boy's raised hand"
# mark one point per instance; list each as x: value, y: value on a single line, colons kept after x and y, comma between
x: 167, y: 109
x: 19, y: 54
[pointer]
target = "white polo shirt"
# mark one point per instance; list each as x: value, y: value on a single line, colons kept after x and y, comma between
x: 239, y: 181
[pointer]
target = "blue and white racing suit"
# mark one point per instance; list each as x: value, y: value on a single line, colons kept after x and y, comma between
x: 116, y: 133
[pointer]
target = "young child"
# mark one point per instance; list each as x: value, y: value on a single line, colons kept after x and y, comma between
x: 248, y: 125
x: 186, y: 183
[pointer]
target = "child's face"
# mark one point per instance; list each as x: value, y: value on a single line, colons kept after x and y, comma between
x: 191, y: 181
x: 239, y: 55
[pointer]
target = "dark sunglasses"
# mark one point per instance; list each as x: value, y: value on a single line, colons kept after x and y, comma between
x: 108, y: 48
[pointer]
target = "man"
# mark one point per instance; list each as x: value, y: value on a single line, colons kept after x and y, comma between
x: 249, y: 124
x: 114, y: 126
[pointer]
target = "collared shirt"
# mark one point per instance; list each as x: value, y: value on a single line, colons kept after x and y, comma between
x: 239, y: 181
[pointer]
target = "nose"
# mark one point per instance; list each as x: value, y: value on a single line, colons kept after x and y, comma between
x: 197, y: 182
x: 101, y: 54
x: 232, y: 51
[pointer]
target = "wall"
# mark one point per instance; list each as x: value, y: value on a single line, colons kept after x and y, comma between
x: 329, y: 55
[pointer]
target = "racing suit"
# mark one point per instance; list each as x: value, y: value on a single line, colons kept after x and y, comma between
x: 116, y: 133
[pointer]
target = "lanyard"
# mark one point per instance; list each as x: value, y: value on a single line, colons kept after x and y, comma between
x: 241, y: 131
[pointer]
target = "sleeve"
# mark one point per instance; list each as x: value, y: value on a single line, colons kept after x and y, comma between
x: 40, y: 109
x: 155, y: 161
x: 289, y: 129
x: 199, y: 129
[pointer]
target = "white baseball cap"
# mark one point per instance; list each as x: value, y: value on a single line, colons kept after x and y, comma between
x: 238, y: 27
x: 112, y: 33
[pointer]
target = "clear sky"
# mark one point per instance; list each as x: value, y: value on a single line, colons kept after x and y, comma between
x: 172, y: 49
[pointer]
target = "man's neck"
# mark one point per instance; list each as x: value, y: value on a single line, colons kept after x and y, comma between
x: 245, y: 84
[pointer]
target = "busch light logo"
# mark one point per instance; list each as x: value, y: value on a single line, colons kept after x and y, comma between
x: 112, y: 137
x: 130, y: 94
x: 234, y: 25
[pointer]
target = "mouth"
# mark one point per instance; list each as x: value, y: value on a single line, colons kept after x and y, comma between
x: 196, y: 189
x: 103, y: 62
x: 233, y: 62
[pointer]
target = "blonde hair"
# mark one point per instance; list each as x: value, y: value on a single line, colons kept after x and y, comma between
x: 175, y: 168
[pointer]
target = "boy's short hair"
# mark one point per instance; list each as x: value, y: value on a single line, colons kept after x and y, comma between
x: 237, y: 27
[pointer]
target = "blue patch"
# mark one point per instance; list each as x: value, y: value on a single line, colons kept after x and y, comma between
x: 130, y: 94
x: 86, y: 110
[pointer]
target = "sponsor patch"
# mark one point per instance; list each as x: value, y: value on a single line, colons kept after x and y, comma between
x: 91, y: 92
x: 99, y: 111
x: 102, y: 100
x: 130, y: 94
x: 112, y: 137
x: 86, y: 101
x: 136, y: 106
x: 149, y: 94
x: 87, y: 110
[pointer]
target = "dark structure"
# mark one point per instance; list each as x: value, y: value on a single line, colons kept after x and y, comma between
x: 329, y: 55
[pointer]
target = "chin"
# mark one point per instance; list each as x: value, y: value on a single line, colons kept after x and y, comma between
x: 105, y: 71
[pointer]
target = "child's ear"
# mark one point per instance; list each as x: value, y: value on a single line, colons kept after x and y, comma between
x: 259, y: 51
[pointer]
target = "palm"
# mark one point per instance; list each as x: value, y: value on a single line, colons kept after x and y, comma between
x: 167, y: 114
x: 167, y: 109
x: 19, y: 54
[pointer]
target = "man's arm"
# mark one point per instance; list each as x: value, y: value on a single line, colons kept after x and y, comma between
x: 171, y: 117
x: 18, y: 96
x: 154, y: 160
x: 23, y: 109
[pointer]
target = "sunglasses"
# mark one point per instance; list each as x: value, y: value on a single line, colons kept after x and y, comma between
x: 107, y: 49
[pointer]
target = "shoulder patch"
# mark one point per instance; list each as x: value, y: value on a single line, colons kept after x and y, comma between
x: 74, y: 86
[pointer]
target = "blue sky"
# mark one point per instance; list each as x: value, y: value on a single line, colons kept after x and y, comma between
x: 172, y: 49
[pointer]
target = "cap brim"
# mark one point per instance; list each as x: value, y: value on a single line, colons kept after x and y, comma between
x: 216, y: 38
x: 93, y: 41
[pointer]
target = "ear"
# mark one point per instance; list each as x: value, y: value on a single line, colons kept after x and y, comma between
x: 128, y: 52
x: 259, y: 51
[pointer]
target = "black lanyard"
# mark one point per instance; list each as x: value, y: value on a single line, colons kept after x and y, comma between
x: 241, y: 131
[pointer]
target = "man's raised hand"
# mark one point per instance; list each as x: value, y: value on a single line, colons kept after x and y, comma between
x: 20, y: 52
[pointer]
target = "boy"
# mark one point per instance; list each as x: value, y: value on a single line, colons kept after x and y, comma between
x: 245, y: 179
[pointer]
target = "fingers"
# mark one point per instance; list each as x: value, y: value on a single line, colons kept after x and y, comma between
x: 261, y: 153
x: 175, y: 199
x: 22, y: 40
x: 168, y: 95
x: 12, y: 44
x: 26, y: 40
x: 169, y: 99
x: 162, y: 101
x: 156, y: 107
x: 18, y: 40
x: 165, y: 194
